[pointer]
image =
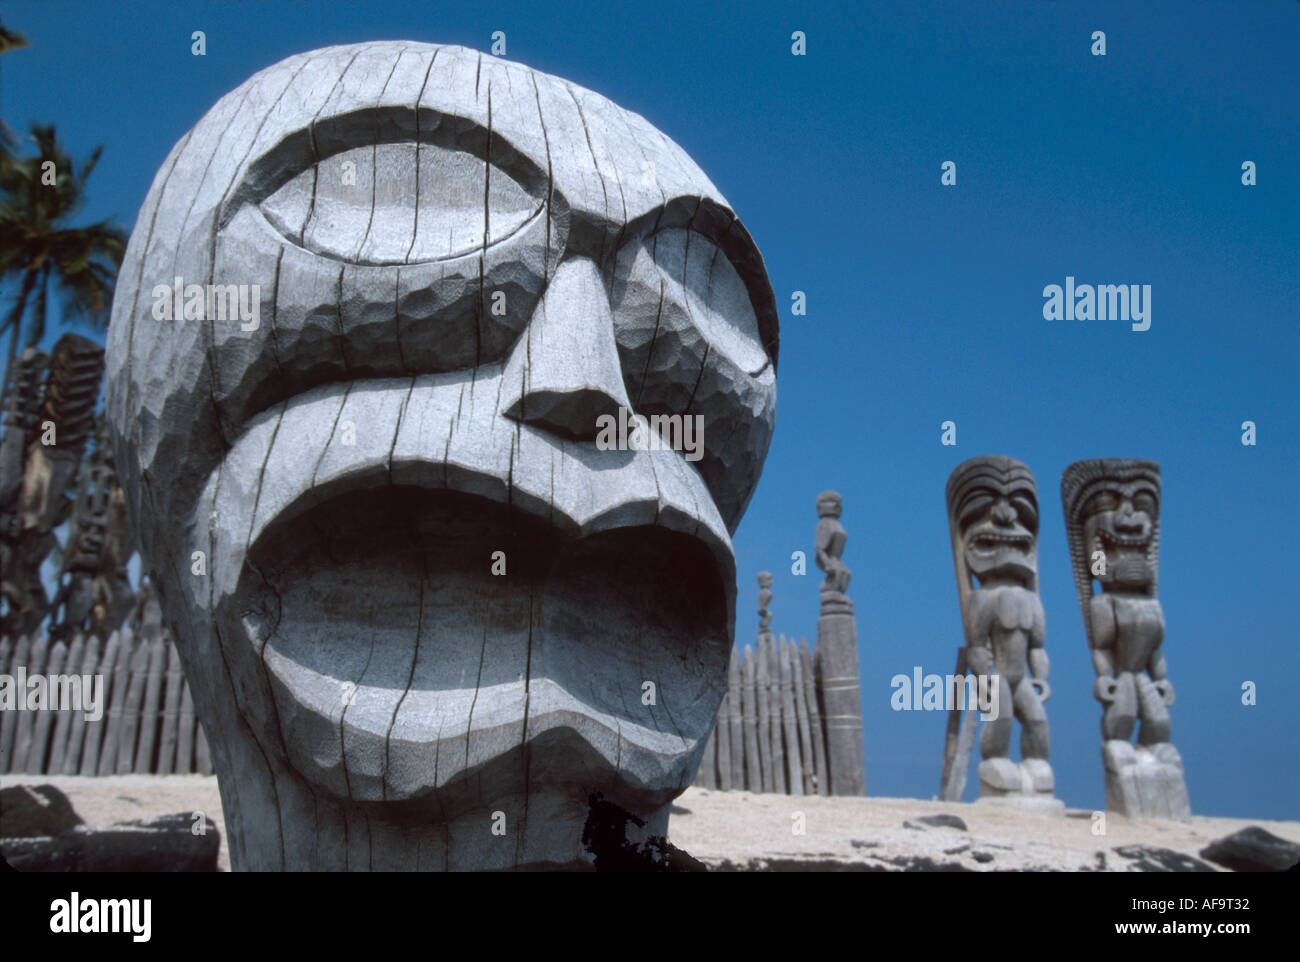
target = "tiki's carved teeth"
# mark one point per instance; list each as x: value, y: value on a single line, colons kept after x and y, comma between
x: 989, y: 539
x: 1124, y: 541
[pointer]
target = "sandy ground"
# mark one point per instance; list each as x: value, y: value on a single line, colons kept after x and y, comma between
x: 747, y: 831
x: 755, y: 831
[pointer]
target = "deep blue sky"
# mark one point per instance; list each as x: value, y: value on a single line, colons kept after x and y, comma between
x: 924, y: 302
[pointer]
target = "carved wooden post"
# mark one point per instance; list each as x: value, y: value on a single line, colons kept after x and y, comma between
x: 749, y: 720
x: 171, y: 711
x: 774, y: 722
x: 811, y: 696
x: 764, y: 718
x: 723, y: 738
x: 63, y: 719
x: 9, y: 719
x: 108, y: 749
x: 1112, y: 521
x: 735, y: 725
x: 26, y: 719
x: 90, y: 668
x: 789, y: 721
x: 139, y: 668
x: 993, y: 523
x: 149, y: 710
x: 96, y: 731
x: 837, y: 655
x: 38, y: 753
x: 807, y: 764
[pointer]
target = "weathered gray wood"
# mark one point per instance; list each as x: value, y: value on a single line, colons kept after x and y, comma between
x: 9, y: 719
x: 724, y: 746
x: 185, y: 731
x: 955, y: 733
x: 27, y: 719
x: 735, y: 730
x: 63, y: 719
x: 1146, y: 780
x: 202, y: 756
x: 44, y: 724
x: 804, y: 724
x: 95, y: 731
x: 774, y: 724
x: 965, y: 747
x: 707, y: 777
x: 108, y: 747
x: 836, y: 657
x: 814, y: 717
x: 6, y: 652
x: 764, y: 717
x: 149, y: 710
x: 131, y: 710
x: 225, y: 431
x: 789, y: 722
x: 171, y: 711
x: 89, y: 668
x: 749, y: 722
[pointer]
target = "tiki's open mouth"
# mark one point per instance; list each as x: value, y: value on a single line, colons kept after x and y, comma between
x: 989, y: 542
x: 994, y: 552
x: 1117, y: 539
x: 1126, y: 558
x: 416, y: 637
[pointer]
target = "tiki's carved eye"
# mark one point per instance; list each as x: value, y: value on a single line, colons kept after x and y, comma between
x: 680, y: 280
x: 393, y: 204
x: 1103, y: 501
x: 1027, y: 508
x: 974, y: 507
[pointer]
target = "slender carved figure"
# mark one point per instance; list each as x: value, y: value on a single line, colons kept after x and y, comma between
x: 1112, y: 519
x: 993, y: 521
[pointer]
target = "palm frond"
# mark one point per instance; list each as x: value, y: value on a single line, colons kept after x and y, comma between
x: 11, y: 40
x: 37, y: 241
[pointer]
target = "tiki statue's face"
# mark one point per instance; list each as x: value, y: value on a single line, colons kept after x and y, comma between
x: 1119, y: 519
x: 424, y: 579
x: 993, y: 507
x: 1112, y: 519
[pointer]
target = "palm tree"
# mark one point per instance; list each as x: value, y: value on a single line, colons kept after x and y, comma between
x: 40, y: 250
x: 9, y: 40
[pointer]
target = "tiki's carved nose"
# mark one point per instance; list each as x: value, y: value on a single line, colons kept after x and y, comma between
x: 565, y: 370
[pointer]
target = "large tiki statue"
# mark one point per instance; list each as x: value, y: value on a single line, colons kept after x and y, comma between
x: 417, y: 604
x: 47, y: 424
x: 993, y: 521
x: 1112, y: 519
x: 95, y: 593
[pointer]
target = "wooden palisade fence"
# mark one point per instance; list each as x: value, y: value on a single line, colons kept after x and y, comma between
x: 769, y: 736
x: 145, y: 722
